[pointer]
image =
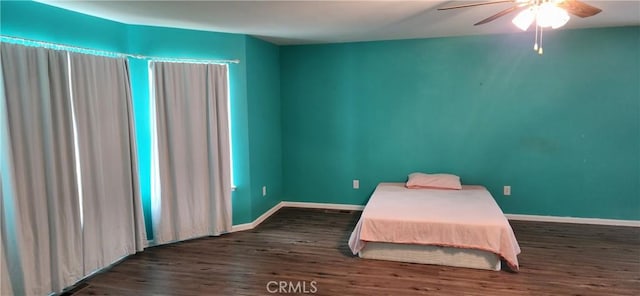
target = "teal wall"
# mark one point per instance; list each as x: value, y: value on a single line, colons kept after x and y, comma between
x: 41, y: 22
x: 563, y: 129
x: 265, y: 128
x: 38, y: 21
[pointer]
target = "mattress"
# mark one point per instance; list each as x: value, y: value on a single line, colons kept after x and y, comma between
x: 468, y: 218
x: 426, y: 254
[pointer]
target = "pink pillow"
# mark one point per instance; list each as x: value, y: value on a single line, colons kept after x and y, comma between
x: 434, y: 181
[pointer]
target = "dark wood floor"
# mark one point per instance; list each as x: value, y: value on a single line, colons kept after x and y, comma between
x: 304, y: 245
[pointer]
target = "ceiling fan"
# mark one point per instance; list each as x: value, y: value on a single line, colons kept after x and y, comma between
x: 544, y: 13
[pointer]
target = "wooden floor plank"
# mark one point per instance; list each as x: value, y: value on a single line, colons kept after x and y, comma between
x: 305, y: 245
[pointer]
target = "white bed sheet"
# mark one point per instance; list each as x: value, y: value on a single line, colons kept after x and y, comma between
x: 468, y: 218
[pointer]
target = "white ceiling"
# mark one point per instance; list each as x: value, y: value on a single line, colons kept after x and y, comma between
x: 305, y: 22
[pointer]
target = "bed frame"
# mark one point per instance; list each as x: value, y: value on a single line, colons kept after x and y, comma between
x: 425, y: 254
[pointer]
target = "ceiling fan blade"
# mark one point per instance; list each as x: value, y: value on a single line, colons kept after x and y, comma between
x: 578, y: 8
x: 475, y: 4
x: 497, y: 15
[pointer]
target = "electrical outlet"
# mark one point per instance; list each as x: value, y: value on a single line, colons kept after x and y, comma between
x: 264, y: 190
x: 507, y: 190
x: 356, y: 184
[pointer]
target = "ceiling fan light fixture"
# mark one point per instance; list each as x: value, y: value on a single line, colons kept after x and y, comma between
x: 524, y: 19
x: 550, y: 15
x: 561, y: 19
x: 544, y: 13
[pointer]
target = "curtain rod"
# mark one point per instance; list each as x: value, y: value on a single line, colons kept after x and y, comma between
x: 58, y: 46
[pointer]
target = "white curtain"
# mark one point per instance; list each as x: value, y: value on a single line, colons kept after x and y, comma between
x: 111, y: 204
x: 5, y: 280
x: 42, y: 238
x: 45, y: 197
x: 192, y: 136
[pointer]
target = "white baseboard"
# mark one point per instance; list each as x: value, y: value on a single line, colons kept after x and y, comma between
x: 293, y: 204
x: 328, y: 206
x: 348, y: 207
x: 243, y: 227
x: 574, y: 220
x: 256, y: 222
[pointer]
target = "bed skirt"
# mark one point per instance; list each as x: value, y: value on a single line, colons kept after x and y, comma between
x: 426, y: 254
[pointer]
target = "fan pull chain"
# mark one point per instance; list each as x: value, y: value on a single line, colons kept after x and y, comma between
x: 535, y: 44
x: 540, y: 49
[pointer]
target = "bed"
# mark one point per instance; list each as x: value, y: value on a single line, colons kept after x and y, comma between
x: 463, y: 228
